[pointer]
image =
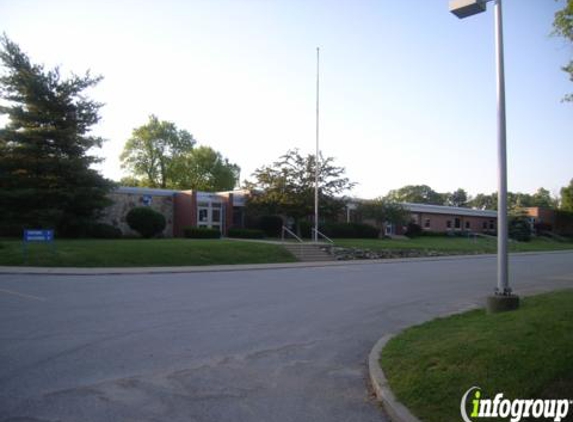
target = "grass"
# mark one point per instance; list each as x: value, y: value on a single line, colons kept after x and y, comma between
x: 178, y: 252
x: 453, y: 245
x: 524, y: 354
x: 142, y: 253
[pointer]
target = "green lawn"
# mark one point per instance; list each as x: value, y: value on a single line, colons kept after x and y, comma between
x: 453, y: 245
x: 142, y: 253
x: 524, y: 354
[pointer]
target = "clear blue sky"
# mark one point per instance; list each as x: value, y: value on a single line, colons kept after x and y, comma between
x: 407, y: 89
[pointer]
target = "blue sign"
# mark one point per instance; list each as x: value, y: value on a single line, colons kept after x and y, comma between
x: 147, y: 199
x: 38, y: 235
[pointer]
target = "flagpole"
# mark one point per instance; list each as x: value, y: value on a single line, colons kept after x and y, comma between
x: 317, y: 155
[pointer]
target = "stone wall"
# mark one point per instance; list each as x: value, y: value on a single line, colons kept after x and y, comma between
x: 123, y: 202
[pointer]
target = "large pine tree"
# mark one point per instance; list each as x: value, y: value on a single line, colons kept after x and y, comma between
x: 45, y: 175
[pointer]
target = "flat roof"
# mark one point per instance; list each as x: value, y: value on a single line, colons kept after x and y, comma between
x: 444, y: 209
x: 146, y: 191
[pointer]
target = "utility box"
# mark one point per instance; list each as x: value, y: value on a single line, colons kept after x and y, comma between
x: 465, y: 8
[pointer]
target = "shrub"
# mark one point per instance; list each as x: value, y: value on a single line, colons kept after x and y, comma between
x: 246, y: 233
x: 271, y: 225
x: 543, y: 227
x: 305, y: 228
x: 201, y: 233
x: 519, y: 229
x: 104, y: 231
x: 147, y: 222
x: 413, y: 229
x: 350, y: 230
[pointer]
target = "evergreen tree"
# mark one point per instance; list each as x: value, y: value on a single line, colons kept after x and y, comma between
x: 45, y: 175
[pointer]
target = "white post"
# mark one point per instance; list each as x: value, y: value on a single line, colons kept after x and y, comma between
x: 502, y: 226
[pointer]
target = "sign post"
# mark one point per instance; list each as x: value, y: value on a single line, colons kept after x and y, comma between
x: 38, y: 236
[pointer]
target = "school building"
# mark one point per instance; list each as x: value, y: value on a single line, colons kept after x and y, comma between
x: 223, y: 210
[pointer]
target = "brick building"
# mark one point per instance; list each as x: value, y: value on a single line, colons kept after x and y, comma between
x: 219, y: 210
x: 222, y: 210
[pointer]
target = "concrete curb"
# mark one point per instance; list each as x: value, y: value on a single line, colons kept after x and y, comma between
x: 396, y: 410
x: 62, y: 271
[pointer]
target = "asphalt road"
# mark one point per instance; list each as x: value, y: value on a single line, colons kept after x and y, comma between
x: 263, y: 345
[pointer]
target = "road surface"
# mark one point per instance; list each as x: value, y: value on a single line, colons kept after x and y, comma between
x: 261, y: 345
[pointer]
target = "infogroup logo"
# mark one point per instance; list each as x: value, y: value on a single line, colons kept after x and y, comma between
x: 555, y: 409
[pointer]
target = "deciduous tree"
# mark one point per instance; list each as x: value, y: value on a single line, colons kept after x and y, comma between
x: 418, y: 194
x: 151, y: 153
x: 563, y: 26
x: 204, y: 169
x: 567, y: 197
x: 287, y: 186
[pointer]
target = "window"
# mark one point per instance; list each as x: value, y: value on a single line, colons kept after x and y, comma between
x: 203, y: 215
x: 427, y: 223
x: 484, y: 225
x: 467, y: 225
x: 449, y: 224
x: 491, y: 226
x: 216, y: 215
x: 458, y: 223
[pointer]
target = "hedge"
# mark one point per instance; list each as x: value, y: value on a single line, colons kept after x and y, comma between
x: 246, y: 233
x: 201, y: 233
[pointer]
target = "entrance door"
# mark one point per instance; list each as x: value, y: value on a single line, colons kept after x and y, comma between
x: 209, y: 214
x: 389, y: 229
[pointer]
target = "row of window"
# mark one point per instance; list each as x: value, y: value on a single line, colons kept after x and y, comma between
x: 458, y: 224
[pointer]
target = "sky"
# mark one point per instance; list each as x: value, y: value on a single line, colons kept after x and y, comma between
x: 407, y: 90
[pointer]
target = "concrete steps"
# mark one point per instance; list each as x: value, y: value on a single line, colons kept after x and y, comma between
x: 308, y: 252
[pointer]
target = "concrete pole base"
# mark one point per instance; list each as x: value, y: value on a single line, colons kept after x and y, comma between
x: 501, y: 303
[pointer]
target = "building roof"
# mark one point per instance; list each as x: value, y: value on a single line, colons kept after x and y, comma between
x: 146, y: 191
x: 443, y: 209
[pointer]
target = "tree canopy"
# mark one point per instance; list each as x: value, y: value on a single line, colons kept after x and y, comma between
x: 45, y: 166
x: 152, y: 151
x: 563, y: 26
x: 458, y: 198
x: 567, y: 197
x: 160, y: 155
x: 383, y: 211
x: 204, y: 169
x: 418, y: 194
x: 287, y: 186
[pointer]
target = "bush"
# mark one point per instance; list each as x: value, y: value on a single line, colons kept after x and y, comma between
x: 271, y: 225
x: 147, y: 222
x: 246, y: 233
x: 519, y: 229
x: 350, y: 230
x: 413, y: 230
x: 305, y: 228
x: 201, y: 233
x: 543, y: 227
x: 429, y: 233
x: 104, y: 231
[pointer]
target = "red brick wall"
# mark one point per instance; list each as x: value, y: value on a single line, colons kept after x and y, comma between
x: 229, y: 213
x: 439, y: 222
x: 185, y: 212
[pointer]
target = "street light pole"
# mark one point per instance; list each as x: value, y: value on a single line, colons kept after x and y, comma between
x: 503, y: 299
x: 502, y: 228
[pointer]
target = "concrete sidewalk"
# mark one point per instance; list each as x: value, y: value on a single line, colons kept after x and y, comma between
x: 241, y: 267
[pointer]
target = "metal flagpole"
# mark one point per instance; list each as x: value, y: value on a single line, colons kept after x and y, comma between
x: 317, y: 155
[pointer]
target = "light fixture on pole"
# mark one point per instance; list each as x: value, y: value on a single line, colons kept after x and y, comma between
x: 503, y: 299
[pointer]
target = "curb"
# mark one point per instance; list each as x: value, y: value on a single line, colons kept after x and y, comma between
x: 85, y: 271
x: 396, y: 410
